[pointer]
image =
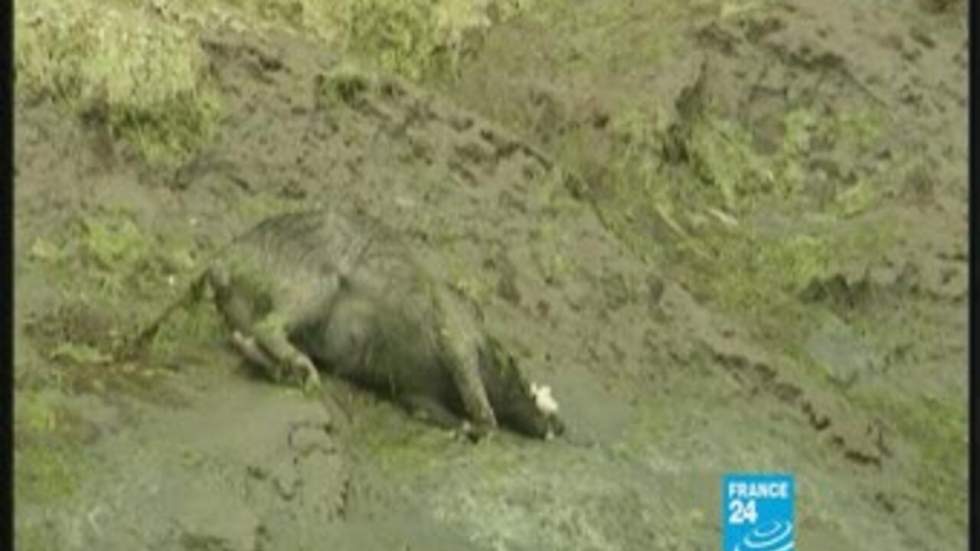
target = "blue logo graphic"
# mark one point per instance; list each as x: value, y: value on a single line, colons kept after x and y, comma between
x: 757, y: 512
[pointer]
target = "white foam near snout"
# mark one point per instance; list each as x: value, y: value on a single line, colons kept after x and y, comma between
x: 543, y: 398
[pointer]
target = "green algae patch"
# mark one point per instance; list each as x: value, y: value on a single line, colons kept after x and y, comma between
x: 697, y: 193
x: 421, y: 39
x: 402, y: 36
x: 107, y: 268
x: 45, y: 472
x: 142, y: 78
x: 48, y: 458
x: 107, y: 254
x: 723, y: 158
x: 759, y: 268
x: 399, y: 447
x: 35, y: 538
x: 136, y: 70
x: 936, y: 430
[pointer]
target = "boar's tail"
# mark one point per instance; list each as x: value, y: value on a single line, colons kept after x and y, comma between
x: 138, y: 342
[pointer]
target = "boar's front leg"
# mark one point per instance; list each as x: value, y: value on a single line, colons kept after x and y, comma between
x: 247, y: 348
x: 459, y: 343
x: 428, y: 409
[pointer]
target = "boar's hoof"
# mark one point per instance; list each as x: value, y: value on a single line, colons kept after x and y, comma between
x: 475, y: 432
x: 302, y: 370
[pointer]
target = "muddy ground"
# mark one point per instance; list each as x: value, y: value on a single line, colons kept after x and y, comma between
x: 731, y: 236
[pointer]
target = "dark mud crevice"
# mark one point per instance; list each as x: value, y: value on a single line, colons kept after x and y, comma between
x: 861, y: 442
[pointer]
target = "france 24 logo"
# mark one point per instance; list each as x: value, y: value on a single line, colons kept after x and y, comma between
x: 757, y: 512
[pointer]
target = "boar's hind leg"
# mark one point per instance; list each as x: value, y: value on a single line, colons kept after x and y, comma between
x: 290, y: 363
x: 247, y: 347
x: 459, y: 343
x: 263, y: 342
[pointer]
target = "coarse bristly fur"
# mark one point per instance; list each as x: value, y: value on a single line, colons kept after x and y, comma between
x: 343, y: 293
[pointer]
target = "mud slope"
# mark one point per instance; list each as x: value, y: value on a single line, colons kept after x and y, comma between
x: 664, y: 385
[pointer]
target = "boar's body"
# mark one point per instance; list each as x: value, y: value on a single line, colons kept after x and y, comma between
x: 344, y: 293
